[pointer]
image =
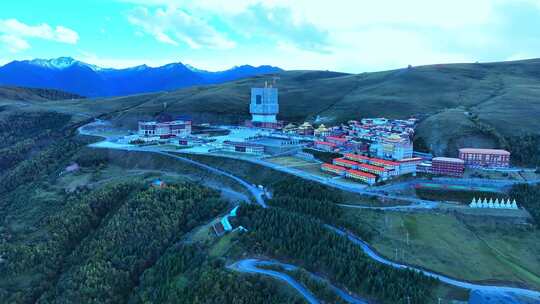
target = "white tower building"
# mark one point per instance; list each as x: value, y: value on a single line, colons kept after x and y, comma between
x: 264, y: 105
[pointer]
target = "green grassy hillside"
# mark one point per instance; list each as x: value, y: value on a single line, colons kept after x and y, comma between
x: 18, y: 93
x: 461, y: 104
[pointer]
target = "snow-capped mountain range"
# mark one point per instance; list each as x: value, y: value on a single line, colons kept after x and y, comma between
x: 70, y: 75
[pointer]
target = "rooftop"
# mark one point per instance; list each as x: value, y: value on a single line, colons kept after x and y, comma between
x: 484, y: 151
x: 448, y: 160
x: 356, y: 156
x: 384, y: 161
x: 333, y: 167
x: 240, y: 144
x: 173, y: 122
x: 371, y: 167
x: 361, y: 173
x: 325, y: 143
x: 336, y: 138
x: 345, y: 161
x: 414, y: 159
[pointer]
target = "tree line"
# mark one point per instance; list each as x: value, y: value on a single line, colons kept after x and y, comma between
x: 185, y: 274
x: 528, y: 196
x: 306, y: 241
x: 101, y: 241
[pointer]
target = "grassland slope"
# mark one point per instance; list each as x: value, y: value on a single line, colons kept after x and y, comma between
x: 476, y: 104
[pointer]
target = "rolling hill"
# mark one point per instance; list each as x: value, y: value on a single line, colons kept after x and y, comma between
x: 18, y: 93
x: 74, y: 76
x: 478, y: 105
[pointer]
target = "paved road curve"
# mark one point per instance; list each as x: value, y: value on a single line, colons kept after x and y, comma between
x: 250, y: 266
x: 256, y: 192
x: 535, y: 295
x: 462, y: 284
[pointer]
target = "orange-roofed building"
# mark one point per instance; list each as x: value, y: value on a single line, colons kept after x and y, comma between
x: 345, y: 163
x: 336, y: 140
x: 325, y: 146
x: 357, y: 158
x: 392, y: 166
x: 383, y: 173
x: 333, y: 169
x: 362, y: 176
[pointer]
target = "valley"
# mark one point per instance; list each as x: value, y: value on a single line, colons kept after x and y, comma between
x: 420, y: 242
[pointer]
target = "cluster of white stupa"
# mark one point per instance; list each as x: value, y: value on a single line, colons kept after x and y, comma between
x: 493, y: 204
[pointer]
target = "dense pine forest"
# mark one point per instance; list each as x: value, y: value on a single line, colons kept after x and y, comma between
x: 527, y: 196
x: 295, y: 230
x: 186, y: 274
x: 306, y: 241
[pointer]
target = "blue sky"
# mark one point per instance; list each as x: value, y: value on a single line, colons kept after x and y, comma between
x: 343, y: 35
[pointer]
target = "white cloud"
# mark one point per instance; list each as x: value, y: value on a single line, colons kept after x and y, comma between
x: 351, y: 13
x: 16, y: 34
x: 172, y: 25
x: 65, y: 35
x: 353, y: 35
x: 14, y: 44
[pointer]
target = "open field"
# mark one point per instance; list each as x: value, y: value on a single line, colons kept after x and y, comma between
x: 478, y: 173
x: 475, y: 249
x: 300, y: 164
x: 261, y: 175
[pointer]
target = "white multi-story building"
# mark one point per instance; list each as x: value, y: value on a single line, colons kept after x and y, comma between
x: 264, y: 105
x: 392, y: 147
x: 175, y: 128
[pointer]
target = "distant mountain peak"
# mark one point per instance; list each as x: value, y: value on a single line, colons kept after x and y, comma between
x: 61, y: 63
x: 72, y: 75
x: 141, y: 67
x: 194, y: 69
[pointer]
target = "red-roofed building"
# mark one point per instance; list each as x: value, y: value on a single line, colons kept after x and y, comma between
x: 357, y: 158
x: 391, y: 166
x: 340, y: 141
x: 333, y: 169
x: 383, y: 173
x: 362, y: 176
x: 345, y: 163
x: 325, y: 146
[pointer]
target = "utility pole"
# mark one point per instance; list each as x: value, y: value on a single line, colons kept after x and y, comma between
x: 396, y: 254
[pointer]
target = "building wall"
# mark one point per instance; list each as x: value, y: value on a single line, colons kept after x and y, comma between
x: 447, y: 168
x: 175, y: 128
x: 328, y: 148
x: 485, y: 160
x: 395, y: 151
x: 368, y: 180
x: 264, y: 104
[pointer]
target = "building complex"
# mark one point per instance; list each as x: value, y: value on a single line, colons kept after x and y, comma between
x: 491, y: 158
x: 447, y: 166
x: 372, y: 149
x: 165, y: 128
x: 373, y: 169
